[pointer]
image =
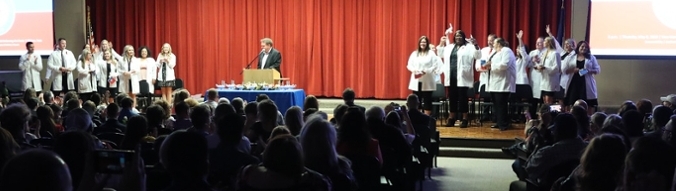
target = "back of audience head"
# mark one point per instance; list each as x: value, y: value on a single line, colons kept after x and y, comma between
x: 14, y: 119
x: 70, y: 95
x: 668, y: 134
x: 224, y: 109
x: 190, y: 101
x: 597, y: 120
x: 649, y: 165
x: 633, y: 123
x: 21, y: 172
x: 308, y: 112
x: 48, y: 97
x: 251, y: 109
x: 180, y: 95
x: 349, y: 95
x: 16, y: 101
x: 644, y: 106
x: 582, y: 104
x: 72, y: 104
x: 112, y: 111
x: 318, y: 140
x: 78, y: 120
x: 200, y: 117
x: 29, y: 93
x: 353, y: 130
x: 32, y: 103
x: 267, y: 112
x: 279, y: 130
x: 238, y: 104
x: 229, y: 129
x: 601, y: 163
x: 9, y: 147
x: 166, y: 107
x: 45, y: 114
x: 262, y: 97
x: 614, y: 119
x: 339, y: 112
x: 394, y: 119
x: 155, y: 115
x: 185, y: 155
x: 90, y: 107
x: 137, y: 129
x: 119, y: 97
x: 284, y: 155
x: 582, y: 119
x: 612, y: 129
x: 626, y: 106
x: 375, y: 113
x: 57, y: 111
x: 127, y: 103
x: 412, y: 101
x: 293, y: 119
x: 661, y: 115
x: 182, y: 109
x: 212, y: 94
x: 564, y: 127
x: 96, y: 98
x: 73, y: 147
x: 223, y: 100
x: 311, y: 102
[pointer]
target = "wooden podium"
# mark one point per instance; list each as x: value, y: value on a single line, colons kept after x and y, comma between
x: 269, y: 76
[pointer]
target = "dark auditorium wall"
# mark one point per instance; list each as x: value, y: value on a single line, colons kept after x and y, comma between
x: 69, y: 23
x: 626, y: 79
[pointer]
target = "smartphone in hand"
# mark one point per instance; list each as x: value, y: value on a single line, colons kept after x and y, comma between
x: 112, y: 161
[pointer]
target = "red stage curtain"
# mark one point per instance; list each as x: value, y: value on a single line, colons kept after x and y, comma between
x: 327, y: 45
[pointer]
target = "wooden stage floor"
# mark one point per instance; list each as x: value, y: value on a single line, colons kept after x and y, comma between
x: 476, y: 132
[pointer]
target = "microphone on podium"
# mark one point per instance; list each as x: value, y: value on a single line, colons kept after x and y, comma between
x: 252, y: 60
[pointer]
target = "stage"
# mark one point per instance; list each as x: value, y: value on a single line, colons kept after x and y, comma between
x: 474, y: 131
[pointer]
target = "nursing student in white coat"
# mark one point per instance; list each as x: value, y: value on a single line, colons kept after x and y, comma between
x: 129, y: 69
x: 535, y: 75
x: 502, y: 81
x: 483, y: 73
x: 88, y: 73
x: 61, y: 64
x: 581, y: 84
x: 459, y: 56
x: 109, y: 76
x: 31, y: 66
x: 424, y: 65
x: 106, y: 46
x: 550, y: 70
x: 166, y: 61
x: 147, y: 69
x: 522, y: 82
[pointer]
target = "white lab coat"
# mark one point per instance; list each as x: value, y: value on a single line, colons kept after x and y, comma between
x: 551, y: 74
x: 54, y: 62
x: 503, y: 72
x: 565, y: 77
x: 483, y: 75
x: 169, y: 67
x: 105, y: 75
x: 31, y: 68
x: 150, y: 73
x: 87, y: 81
x: 592, y: 67
x: 466, y: 55
x: 535, y: 75
x: 124, y: 80
x: 429, y: 64
x: 522, y: 67
x: 99, y: 55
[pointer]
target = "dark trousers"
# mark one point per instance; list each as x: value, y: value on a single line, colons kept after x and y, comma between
x: 86, y: 96
x: 425, y: 97
x: 500, y: 108
x: 457, y: 97
x: 533, y: 109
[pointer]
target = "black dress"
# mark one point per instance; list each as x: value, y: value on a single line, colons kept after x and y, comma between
x: 577, y: 89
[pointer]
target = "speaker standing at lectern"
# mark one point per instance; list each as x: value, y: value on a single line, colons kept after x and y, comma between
x: 269, y: 58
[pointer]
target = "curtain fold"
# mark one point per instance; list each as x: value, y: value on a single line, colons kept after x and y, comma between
x: 326, y: 45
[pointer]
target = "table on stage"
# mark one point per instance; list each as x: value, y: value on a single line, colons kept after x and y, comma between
x: 284, y: 99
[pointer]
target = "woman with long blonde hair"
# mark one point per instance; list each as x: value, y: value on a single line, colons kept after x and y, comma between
x: 108, y: 79
x: 88, y: 74
x: 166, y: 61
x: 129, y: 69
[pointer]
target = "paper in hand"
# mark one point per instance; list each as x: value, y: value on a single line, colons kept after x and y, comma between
x: 583, y: 72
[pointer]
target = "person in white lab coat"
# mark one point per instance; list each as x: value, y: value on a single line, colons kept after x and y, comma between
x: 88, y: 75
x: 108, y: 77
x: 147, y: 69
x: 522, y: 82
x: 535, y: 75
x: 501, y: 81
x: 550, y: 70
x: 459, y: 58
x: 61, y: 64
x: 424, y: 65
x: 129, y: 69
x: 166, y: 61
x: 31, y: 66
x: 106, y: 46
x: 483, y: 73
x: 581, y: 84
x: 566, y: 51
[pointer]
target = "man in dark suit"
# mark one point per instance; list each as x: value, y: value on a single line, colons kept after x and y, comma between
x: 269, y: 58
x: 419, y: 120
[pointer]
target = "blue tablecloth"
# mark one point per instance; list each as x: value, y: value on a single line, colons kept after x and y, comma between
x: 284, y: 99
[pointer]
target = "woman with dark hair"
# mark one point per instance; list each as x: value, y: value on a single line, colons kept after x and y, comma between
x: 354, y: 137
x: 293, y: 119
x: 601, y: 164
x: 73, y: 147
x: 459, y: 56
x: 649, y: 166
x: 626, y: 106
x: 583, y: 122
x: 501, y: 81
x: 311, y: 102
x: 424, y: 65
x: 283, y: 168
x: 645, y: 107
x: 579, y: 75
x: 47, y: 124
x: 267, y: 121
x: 136, y: 131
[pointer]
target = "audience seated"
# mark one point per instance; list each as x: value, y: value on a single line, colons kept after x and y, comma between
x: 182, y: 116
x: 227, y: 158
x: 8, y: 147
x: 73, y: 147
x: 293, y: 118
x: 14, y: 119
x: 212, y: 98
x: 260, y: 131
x: 201, y: 120
x: 282, y: 169
x: 338, y: 114
x: 136, y: 133
x: 596, y: 122
x: 238, y: 103
x: 277, y: 131
x: 112, y: 124
x: 633, y: 124
x: 395, y: 149
x: 78, y: 120
x: 127, y: 110
x: 354, y: 137
x: 185, y: 156
x: 318, y: 140
x: 280, y: 117
x: 649, y: 166
x: 90, y: 107
x: 36, y: 170
x: 582, y: 119
x: 251, y: 115
x: 348, y: 98
x: 47, y: 124
x: 156, y: 120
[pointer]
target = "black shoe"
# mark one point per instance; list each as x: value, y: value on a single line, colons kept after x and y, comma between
x: 508, y: 151
x: 464, y: 123
x: 450, y: 122
x: 505, y: 128
x: 494, y: 126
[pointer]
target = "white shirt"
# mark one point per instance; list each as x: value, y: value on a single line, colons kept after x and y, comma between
x: 265, y: 58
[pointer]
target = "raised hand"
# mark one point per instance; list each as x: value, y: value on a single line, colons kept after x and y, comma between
x: 549, y: 31
x: 450, y: 29
x: 519, y: 35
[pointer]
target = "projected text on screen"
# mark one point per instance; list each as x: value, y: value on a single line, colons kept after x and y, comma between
x: 26, y: 20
